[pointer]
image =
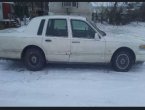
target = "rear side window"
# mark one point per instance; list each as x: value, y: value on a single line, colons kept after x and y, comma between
x: 40, y: 30
x: 57, y: 28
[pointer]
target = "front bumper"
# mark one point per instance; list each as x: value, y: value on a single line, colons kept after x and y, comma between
x: 140, y: 56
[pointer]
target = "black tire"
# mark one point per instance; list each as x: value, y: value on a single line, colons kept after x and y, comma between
x: 34, y: 59
x: 122, y: 61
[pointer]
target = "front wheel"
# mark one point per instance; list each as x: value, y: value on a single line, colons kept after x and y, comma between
x: 34, y: 59
x: 122, y: 61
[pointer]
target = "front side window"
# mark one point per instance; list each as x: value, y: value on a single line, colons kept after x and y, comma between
x: 57, y: 27
x: 81, y: 29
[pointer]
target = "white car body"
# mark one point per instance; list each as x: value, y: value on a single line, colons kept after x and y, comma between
x: 68, y: 49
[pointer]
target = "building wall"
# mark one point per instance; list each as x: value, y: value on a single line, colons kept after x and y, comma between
x: 1, y: 12
x: 82, y: 10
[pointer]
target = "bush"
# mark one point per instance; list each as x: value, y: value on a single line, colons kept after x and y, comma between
x: 1, y: 26
x: 142, y: 12
x: 114, y: 16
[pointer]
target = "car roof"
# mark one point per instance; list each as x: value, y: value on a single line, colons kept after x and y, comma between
x: 62, y: 16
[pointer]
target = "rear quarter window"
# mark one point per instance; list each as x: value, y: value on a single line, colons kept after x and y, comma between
x: 40, y: 29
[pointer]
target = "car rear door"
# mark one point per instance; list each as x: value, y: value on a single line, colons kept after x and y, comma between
x: 56, y: 41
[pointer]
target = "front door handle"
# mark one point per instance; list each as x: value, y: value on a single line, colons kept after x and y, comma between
x: 75, y: 41
x: 48, y: 40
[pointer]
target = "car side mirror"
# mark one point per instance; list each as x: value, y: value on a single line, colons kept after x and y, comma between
x: 97, y: 36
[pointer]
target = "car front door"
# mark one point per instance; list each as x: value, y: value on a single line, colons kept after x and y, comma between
x: 84, y: 46
x: 56, y: 41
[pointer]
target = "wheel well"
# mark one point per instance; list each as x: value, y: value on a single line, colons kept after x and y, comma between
x: 124, y: 49
x: 31, y: 46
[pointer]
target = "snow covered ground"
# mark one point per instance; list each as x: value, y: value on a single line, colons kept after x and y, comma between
x: 74, y: 85
x: 134, y: 28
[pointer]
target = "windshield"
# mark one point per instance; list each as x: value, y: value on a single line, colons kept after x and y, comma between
x: 94, y: 25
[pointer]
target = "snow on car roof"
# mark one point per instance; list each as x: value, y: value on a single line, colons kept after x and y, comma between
x: 62, y: 16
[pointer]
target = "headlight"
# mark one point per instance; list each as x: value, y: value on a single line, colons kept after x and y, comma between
x: 142, y: 46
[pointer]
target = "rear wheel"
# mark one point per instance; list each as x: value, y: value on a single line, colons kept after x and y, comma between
x: 34, y: 59
x: 122, y: 61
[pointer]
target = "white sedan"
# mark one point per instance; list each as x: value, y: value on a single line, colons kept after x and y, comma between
x: 70, y: 39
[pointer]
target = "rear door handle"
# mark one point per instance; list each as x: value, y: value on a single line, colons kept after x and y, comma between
x: 75, y: 41
x: 48, y: 40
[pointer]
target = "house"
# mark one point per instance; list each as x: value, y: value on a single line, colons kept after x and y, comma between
x: 87, y: 9
x: 73, y: 8
x: 5, y: 9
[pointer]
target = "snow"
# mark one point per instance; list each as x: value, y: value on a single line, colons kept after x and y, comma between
x: 134, y: 29
x: 11, y: 30
x: 100, y: 4
x: 105, y: 4
x: 74, y: 84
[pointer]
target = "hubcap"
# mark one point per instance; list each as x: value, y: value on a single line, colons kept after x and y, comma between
x: 33, y: 60
x: 122, y: 61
